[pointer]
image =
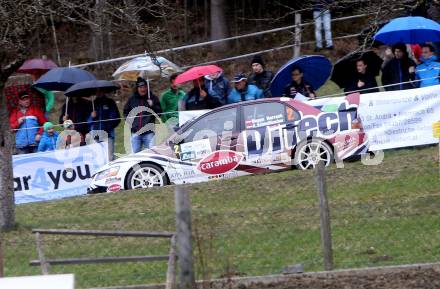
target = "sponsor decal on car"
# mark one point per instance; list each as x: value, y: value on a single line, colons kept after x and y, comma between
x: 219, y: 162
x: 112, y: 180
x: 195, y: 150
x: 114, y: 188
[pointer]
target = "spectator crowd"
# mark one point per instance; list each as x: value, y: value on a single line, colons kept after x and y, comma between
x: 80, y: 119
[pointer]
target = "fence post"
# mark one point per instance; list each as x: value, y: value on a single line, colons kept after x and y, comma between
x: 324, y: 212
x: 44, y: 264
x: 297, y: 47
x: 171, y: 272
x: 184, y: 242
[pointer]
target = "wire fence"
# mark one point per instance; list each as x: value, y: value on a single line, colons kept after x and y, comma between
x: 258, y: 225
x: 159, y: 114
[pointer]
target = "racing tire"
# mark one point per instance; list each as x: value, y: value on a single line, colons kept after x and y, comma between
x: 309, y: 153
x: 146, y: 175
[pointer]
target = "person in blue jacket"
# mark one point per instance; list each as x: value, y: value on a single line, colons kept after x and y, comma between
x: 243, y: 91
x: 49, y: 139
x: 105, y: 117
x: 428, y: 72
x: 218, y: 88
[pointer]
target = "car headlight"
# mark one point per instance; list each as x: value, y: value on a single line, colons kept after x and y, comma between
x: 111, y: 172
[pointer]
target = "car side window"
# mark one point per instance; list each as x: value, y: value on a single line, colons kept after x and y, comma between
x: 213, y: 124
x: 263, y: 114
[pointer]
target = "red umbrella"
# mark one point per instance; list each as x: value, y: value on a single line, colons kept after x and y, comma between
x: 37, y: 66
x: 196, y: 73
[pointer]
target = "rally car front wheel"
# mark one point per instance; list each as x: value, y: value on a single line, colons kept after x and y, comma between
x: 146, y: 175
x: 309, y: 154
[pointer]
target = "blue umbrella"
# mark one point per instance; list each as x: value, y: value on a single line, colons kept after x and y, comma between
x: 88, y: 88
x: 409, y: 30
x: 61, y: 78
x: 316, y: 70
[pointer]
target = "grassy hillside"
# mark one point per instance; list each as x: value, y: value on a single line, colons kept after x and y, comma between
x: 381, y: 215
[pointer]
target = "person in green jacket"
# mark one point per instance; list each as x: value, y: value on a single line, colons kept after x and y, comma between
x: 169, y: 100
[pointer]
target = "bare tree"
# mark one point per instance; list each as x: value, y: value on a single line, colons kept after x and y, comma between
x: 218, y: 23
x: 23, y: 22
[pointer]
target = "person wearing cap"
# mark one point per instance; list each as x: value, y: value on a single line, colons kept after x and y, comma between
x: 49, y: 138
x: 260, y: 77
x: 169, y: 100
x: 243, y: 91
x: 298, y: 85
x: 198, y: 97
x: 27, y: 122
x: 218, y: 88
x: 105, y: 117
x: 142, y: 98
x: 399, y: 69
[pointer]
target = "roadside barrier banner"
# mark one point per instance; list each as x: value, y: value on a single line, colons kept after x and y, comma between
x: 56, y: 174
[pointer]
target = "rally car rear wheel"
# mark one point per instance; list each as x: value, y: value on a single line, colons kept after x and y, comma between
x: 146, y: 176
x: 309, y: 154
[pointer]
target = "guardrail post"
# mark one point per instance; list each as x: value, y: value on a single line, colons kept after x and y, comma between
x: 184, y: 242
x: 324, y: 212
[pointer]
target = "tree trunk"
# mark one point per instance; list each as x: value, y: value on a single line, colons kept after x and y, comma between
x: 218, y: 24
x: 7, y: 200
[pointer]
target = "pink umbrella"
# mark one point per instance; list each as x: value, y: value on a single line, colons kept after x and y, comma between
x: 196, y: 73
x: 37, y: 66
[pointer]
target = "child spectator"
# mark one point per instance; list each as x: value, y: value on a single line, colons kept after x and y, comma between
x: 49, y: 139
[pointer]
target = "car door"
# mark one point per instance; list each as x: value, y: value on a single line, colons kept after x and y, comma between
x: 266, y: 127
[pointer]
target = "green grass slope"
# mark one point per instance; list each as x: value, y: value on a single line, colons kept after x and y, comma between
x: 381, y: 215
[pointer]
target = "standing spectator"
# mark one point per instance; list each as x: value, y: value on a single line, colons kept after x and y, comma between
x: 428, y: 71
x: 322, y: 17
x: 298, y: 85
x: 197, y: 98
x: 28, y: 122
x: 399, y: 69
x: 49, y: 139
x: 105, y: 117
x: 142, y: 98
x: 243, y: 91
x: 260, y: 77
x: 169, y: 100
x: 362, y: 80
x: 218, y: 88
x: 78, y: 111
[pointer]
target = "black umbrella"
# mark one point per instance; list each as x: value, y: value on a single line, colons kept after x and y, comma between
x: 61, y: 78
x: 88, y: 88
x: 345, y: 67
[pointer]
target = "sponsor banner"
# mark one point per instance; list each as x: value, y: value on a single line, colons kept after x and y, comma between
x: 395, y: 119
x: 403, y: 118
x: 56, y: 174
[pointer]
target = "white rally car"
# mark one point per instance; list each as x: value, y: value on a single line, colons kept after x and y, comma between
x: 240, y: 139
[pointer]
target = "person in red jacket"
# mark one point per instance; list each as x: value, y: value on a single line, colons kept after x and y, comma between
x: 27, y: 122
